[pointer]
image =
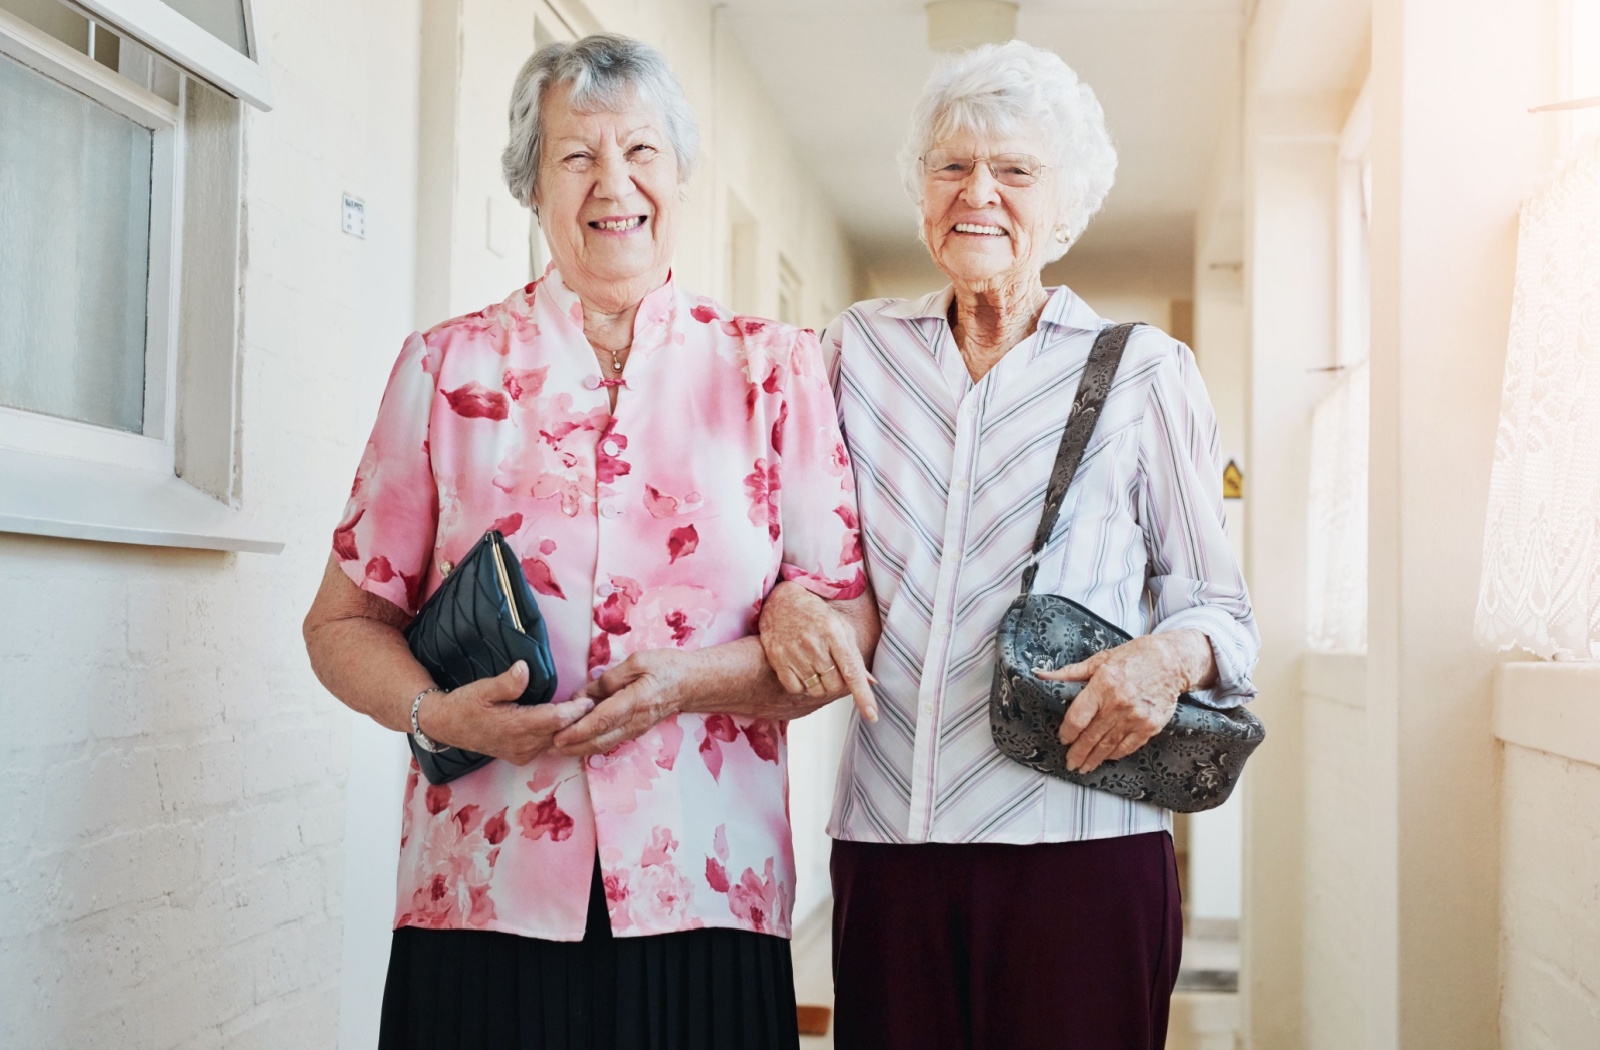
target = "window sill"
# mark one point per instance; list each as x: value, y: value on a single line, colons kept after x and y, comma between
x: 1337, y: 677
x: 1550, y: 706
x: 75, y: 499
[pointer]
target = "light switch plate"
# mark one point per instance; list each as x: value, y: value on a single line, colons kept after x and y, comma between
x: 353, y: 218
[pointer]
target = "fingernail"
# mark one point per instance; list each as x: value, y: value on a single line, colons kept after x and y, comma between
x: 520, y: 668
x: 872, y: 714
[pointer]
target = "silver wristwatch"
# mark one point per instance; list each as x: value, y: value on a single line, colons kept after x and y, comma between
x: 416, y: 730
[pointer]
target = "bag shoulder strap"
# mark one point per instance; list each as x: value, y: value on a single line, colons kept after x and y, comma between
x: 1093, y: 387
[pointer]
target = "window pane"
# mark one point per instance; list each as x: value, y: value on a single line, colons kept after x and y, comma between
x: 74, y: 253
x: 223, y: 19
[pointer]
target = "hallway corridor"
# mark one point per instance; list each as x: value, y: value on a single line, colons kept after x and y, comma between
x: 1376, y: 223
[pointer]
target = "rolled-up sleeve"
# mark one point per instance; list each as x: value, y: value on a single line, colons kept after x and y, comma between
x: 385, y: 540
x: 821, y: 525
x: 1195, y: 580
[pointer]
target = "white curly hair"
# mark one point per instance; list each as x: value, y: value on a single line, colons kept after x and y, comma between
x: 1016, y: 88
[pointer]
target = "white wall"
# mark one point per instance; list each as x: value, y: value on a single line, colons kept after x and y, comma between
x: 1549, y: 855
x: 1455, y: 153
x: 1338, y: 850
x: 172, y: 844
x: 1288, y: 280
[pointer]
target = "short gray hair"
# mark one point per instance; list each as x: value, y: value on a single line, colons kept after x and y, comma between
x: 1000, y: 89
x: 602, y: 69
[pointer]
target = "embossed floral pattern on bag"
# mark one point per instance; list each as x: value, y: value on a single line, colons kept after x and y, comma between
x: 662, y: 525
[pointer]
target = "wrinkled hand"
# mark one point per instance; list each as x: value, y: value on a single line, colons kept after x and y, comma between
x: 814, y: 651
x: 485, y: 717
x: 1130, y: 695
x: 628, y: 699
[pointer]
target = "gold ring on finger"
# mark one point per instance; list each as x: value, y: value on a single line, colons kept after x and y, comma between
x: 815, y: 679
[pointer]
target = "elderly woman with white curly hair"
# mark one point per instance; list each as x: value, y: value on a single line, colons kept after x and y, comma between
x: 622, y: 876
x: 978, y: 903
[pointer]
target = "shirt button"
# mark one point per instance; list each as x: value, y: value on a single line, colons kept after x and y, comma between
x: 927, y: 709
x: 591, y: 382
x: 605, y: 590
x: 610, y: 447
x: 610, y: 510
x: 597, y: 761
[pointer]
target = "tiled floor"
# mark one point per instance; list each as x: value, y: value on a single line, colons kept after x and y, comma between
x: 1201, y: 1020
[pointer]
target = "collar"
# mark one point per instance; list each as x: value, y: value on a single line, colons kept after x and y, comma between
x: 1064, y: 312
x: 652, y: 323
x: 1063, y: 309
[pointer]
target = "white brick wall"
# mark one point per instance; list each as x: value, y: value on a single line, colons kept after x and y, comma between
x: 1550, y: 902
x: 171, y: 854
x: 1337, y: 881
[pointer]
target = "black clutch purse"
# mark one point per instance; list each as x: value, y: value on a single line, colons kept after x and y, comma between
x: 1195, y: 761
x: 480, y: 621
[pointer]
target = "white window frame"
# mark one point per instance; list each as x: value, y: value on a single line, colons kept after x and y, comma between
x: 1579, y: 68
x: 1353, y: 281
x: 25, y: 431
x: 183, y: 43
x: 76, y: 480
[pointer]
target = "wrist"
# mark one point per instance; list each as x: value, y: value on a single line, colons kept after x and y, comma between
x: 785, y: 597
x: 424, y: 718
x: 677, y: 683
x: 1198, y: 661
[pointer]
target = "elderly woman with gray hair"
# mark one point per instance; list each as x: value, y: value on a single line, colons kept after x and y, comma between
x: 623, y: 875
x: 978, y: 903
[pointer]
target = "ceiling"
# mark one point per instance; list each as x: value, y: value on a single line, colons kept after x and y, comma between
x: 845, y: 74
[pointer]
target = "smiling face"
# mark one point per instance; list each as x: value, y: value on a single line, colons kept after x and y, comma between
x: 607, y: 193
x: 981, y: 232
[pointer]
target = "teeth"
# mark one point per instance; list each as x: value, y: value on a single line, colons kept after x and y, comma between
x: 971, y: 227
x: 621, y: 224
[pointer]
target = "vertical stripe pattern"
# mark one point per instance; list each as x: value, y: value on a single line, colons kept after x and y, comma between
x: 951, y: 478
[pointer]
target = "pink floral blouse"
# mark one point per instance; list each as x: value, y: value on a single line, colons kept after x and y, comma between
x: 664, y: 524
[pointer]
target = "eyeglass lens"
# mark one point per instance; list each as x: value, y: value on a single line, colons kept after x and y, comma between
x: 1008, y: 169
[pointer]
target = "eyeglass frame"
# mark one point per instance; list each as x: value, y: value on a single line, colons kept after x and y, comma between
x: 1038, y: 167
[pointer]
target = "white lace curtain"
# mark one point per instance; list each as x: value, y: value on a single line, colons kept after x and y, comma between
x: 1336, y: 551
x: 1541, y: 552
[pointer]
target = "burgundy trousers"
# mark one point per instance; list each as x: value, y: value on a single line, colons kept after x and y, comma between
x: 1065, y: 946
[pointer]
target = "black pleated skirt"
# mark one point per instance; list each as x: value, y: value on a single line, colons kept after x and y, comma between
x: 712, y: 989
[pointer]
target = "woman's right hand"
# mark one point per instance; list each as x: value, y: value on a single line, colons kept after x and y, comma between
x: 813, y: 651
x: 485, y: 717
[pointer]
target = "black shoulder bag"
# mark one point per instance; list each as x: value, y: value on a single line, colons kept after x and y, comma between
x: 1193, y: 763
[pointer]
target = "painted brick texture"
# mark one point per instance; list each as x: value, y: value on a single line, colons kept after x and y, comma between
x: 1337, y: 880
x: 1550, y: 902
x: 171, y: 840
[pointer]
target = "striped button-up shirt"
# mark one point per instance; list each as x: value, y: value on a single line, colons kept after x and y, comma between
x: 951, y: 478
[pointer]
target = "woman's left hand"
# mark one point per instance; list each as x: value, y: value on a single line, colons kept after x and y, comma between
x: 1131, y: 693
x: 631, y: 697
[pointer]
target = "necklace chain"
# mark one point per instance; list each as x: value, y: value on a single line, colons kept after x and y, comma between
x: 616, y: 356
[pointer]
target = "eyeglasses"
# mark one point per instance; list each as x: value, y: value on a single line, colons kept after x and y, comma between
x: 1008, y: 169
